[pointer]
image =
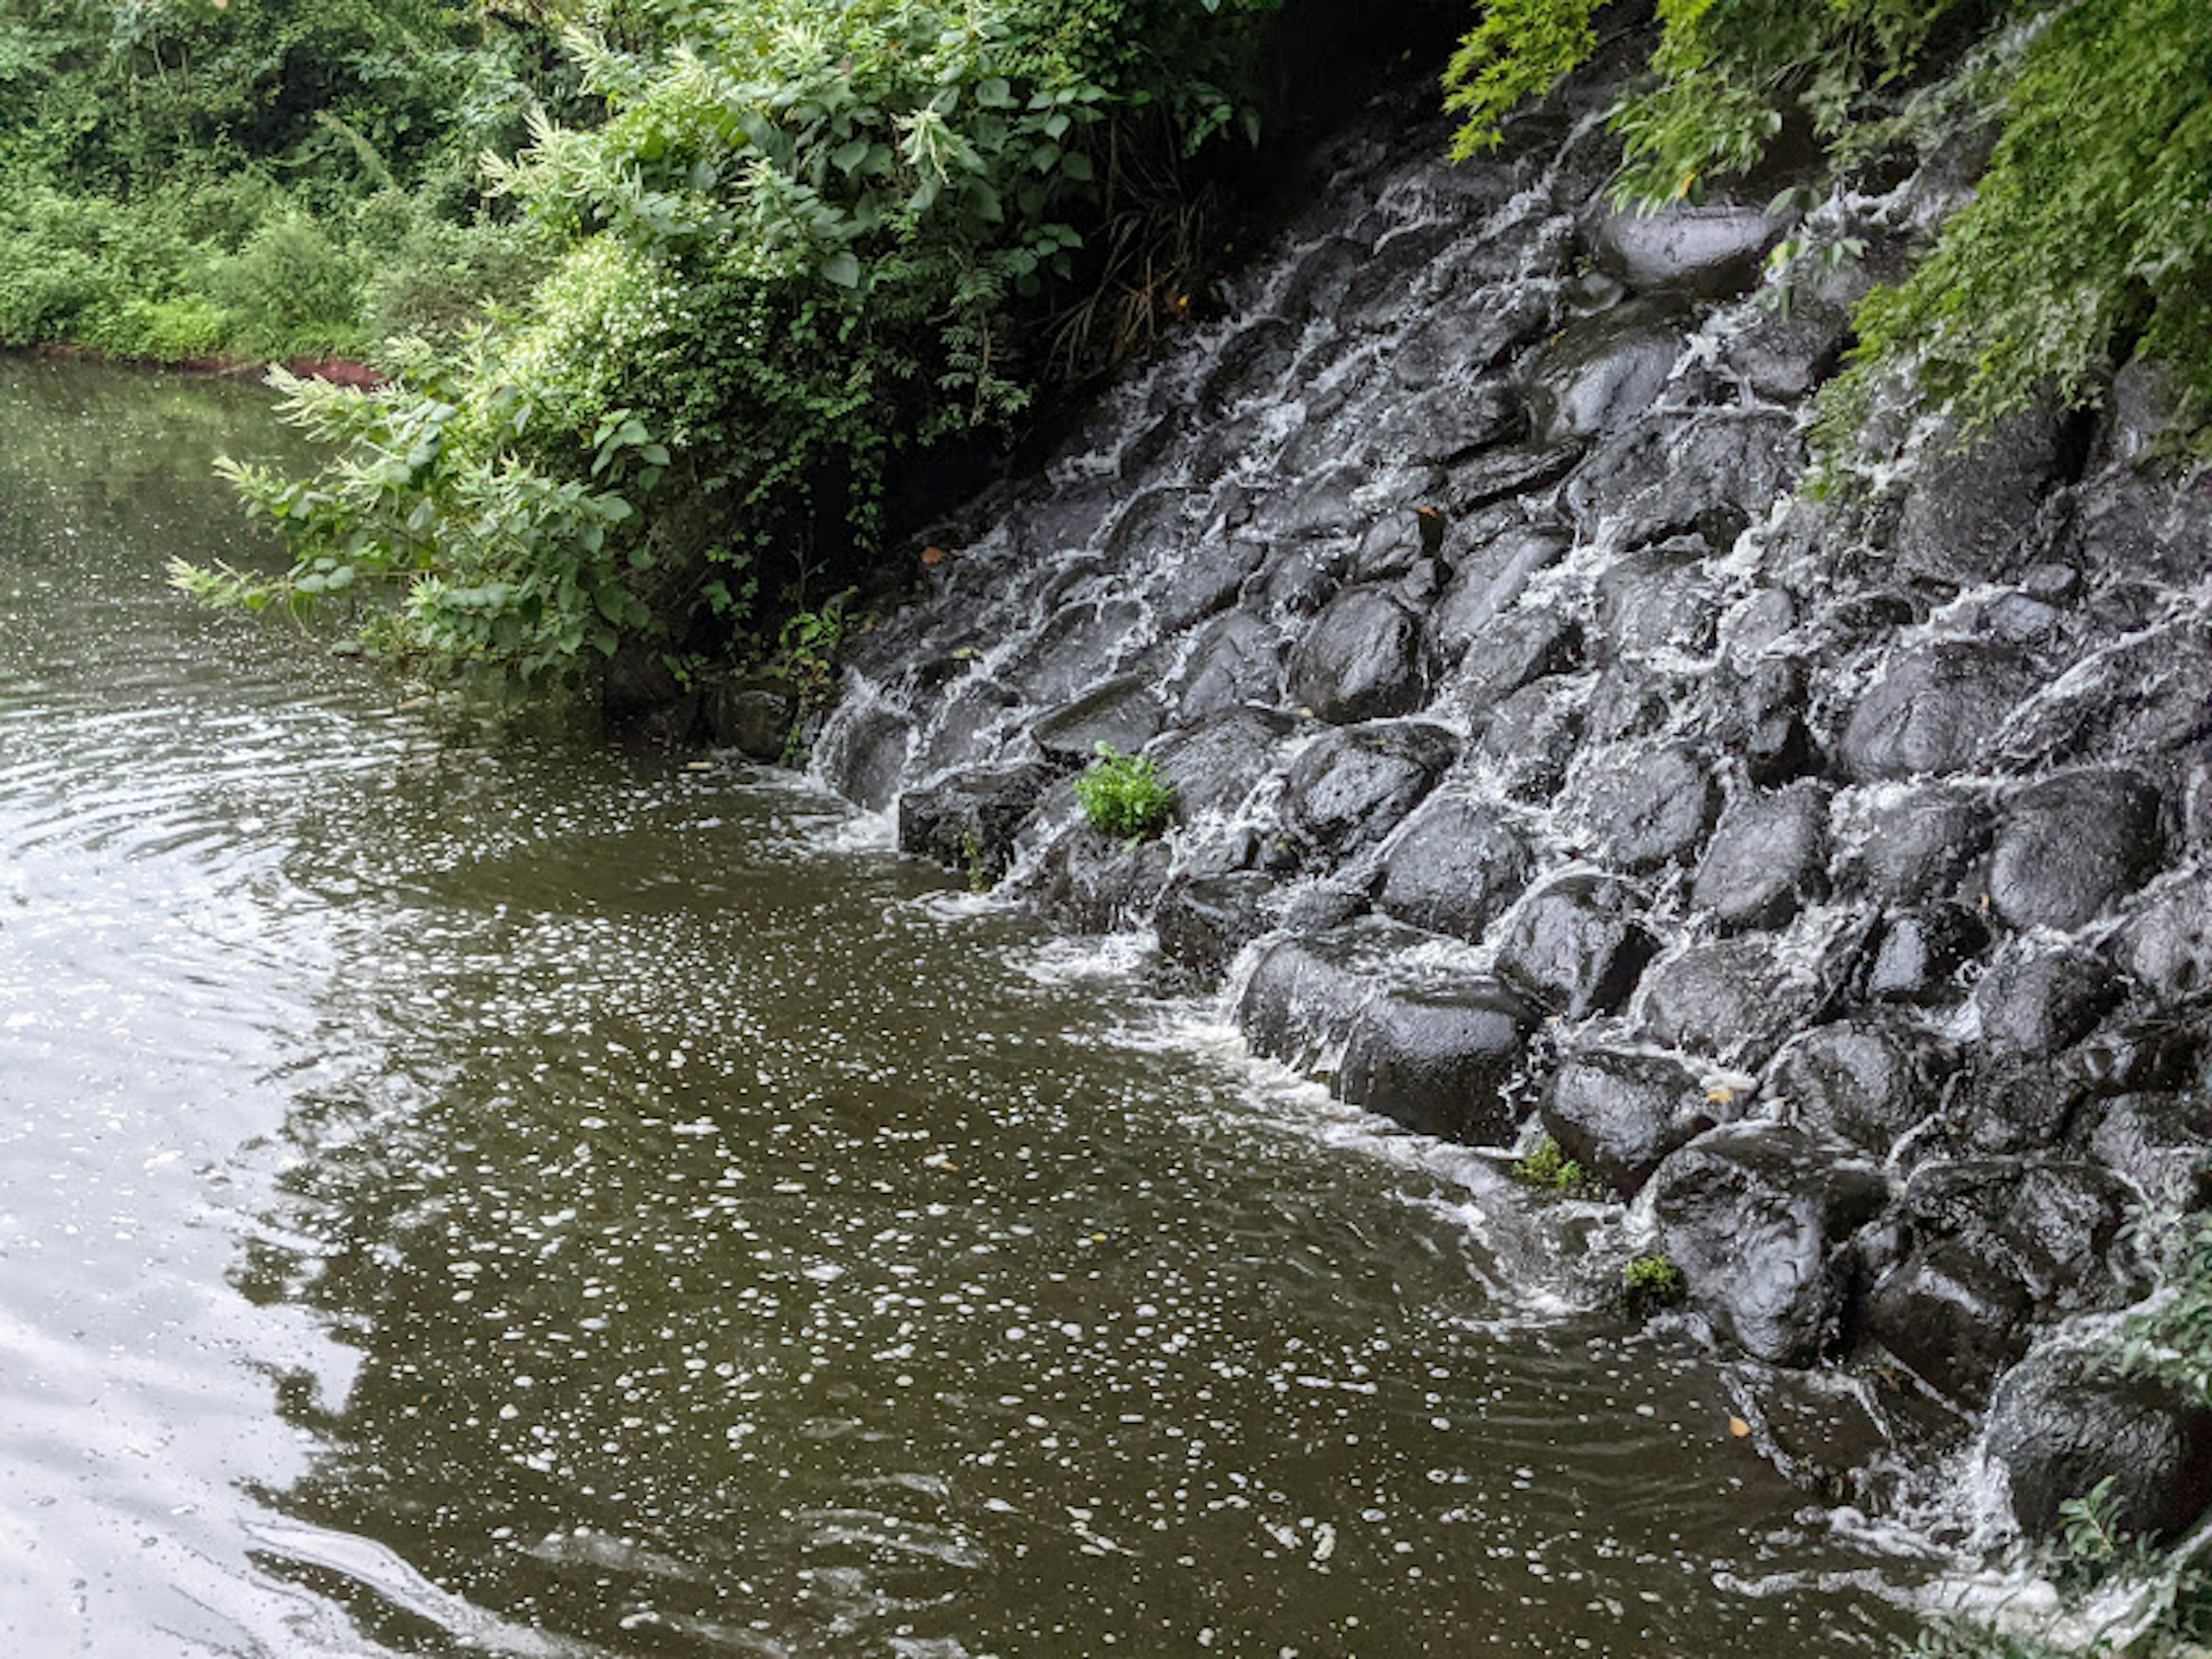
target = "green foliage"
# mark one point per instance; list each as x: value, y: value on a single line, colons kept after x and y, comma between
x: 1652, y: 1283
x: 799, y: 242
x: 1549, y: 1169
x: 1124, y: 796
x: 2086, y: 239
x: 2171, y: 1337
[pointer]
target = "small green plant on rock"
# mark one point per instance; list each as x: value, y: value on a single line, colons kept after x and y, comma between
x: 1124, y: 796
x: 1549, y: 1169
x: 1653, y: 1284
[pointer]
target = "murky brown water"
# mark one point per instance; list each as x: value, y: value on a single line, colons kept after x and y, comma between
x: 466, y: 1195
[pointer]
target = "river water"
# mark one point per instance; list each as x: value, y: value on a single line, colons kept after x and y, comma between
x: 463, y: 1192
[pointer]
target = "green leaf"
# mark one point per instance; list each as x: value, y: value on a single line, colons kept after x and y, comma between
x: 841, y: 269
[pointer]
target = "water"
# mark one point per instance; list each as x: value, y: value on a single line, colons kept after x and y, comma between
x: 467, y: 1195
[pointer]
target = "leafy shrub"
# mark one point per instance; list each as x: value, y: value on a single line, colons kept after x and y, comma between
x: 1652, y: 1283
x: 1124, y: 796
x: 1548, y: 1167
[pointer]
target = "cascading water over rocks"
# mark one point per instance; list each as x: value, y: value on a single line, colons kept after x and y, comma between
x: 1836, y: 881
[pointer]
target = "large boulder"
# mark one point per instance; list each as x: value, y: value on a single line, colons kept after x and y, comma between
x: 2072, y: 845
x: 1455, y: 869
x: 1919, y: 844
x: 1486, y: 583
x: 1234, y: 660
x: 1755, y: 1215
x: 1982, y: 1249
x: 2160, y: 1143
x: 1969, y: 515
x: 2035, y: 1002
x: 1305, y: 991
x: 2067, y: 1420
x: 1934, y: 710
x: 1922, y: 956
x: 1216, y: 764
x: 1869, y: 1080
x: 1708, y: 251
x: 1440, y: 1061
x: 1354, y: 785
x: 863, y: 755
x: 1204, y: 922
x: 1769, y: 854
x: 1360, y: 660
x: 1578, y: 944
x: 1071, y: 652
x: 1604, y: 372
x: 1620, y: 1114
x: 1530, y: 739
x: 2168, y: 945
x: 1094, y: 883
x: 1733, y: 1000
x: 1710, y: 477
x: 1123, y: 713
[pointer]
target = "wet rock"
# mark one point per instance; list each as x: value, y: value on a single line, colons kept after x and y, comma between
x: 1755, y: 1215
x: 1531, y: 737
x: 1445, y: 424
x: 753, y: 719
x: 1304, y: 992
x: 1360, y: 660
x: 1934, y: 710
x: 863, y: 756
x: 1653, y: 811
x: 1983, y: 1249
x: 1455, y: 869
x: 1760, y: 717
x: 1206, y: 581
x: 2066, y: 1420
x: 1497, y: 474
x: 1769, y: 854
x: 1578, y: 944
x: 966, y: 821
x: 1489, y: 579
x: 2168, y: 943
x: 1123, y: 713
x: 1354, y: 785
x: 1708, y: 252
x: 1471, y: 340
x: 1604, y: 372
x: 2141, y: 699
x: 2072, y: 845
x: 1921, y: 844
x: 1073, y: 648
x: 1784, y: 355
x: 2037, y: 1002
x: 1249, y: 364
x: 1295, y: 583
x: 1659, y: 599
x: 2160, y: 1142
x: 1236, y: 658
x: 1733, y: 1001
x: 1216, y: 764
x: 1508, y: 652
x: 1970, y: 516
x: 1868, y: 1080
x: 1709, y: 476
x: 1632, y: 700
x: 1093, y: 883
x: 1203, y: 924
x: 1620, y: 1114
x: 1919, y: 954
x: 1439, y: 1061
x: 2008, y: 1103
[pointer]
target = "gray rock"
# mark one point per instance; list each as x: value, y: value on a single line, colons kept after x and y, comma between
x: 1784, y: 355
x: 1969, y: 516
x: 1205, y: 581
x: 2037, y: 1002
x: 1360, y: 660
x: 1712, y: 252
x: 1758, y: 715
x: 1509, y: 652
x: 863, y: 756
x: 1921, y: 955
x: 1934, y: 710
x: 1445, y: 424
x: 1236, y: 658
x: 1769, y: 854
x: 2161, y: 1142
x: 1709, y: 476
x: 1921, y: 846
x: 1455, y: 868
x: 1304, y: 992
x: 1653, y: 812
x: 1498, y: 475
x: 1202, y: 924
x: 967, y: 821
x: 1357, y: 783
x: 2168, y: 944
x: 1620, y: 1114
x: 2072, y: 845
x: 1604, y: 372
x: 1755, y: 1215
x: 753, y: 719
x: 1124, y: 714
x: 1577, y: 944
x: 1868, y: 1080
x: 1488, y: 582
x: 1072, y: 649
x: 1659, y: 599
x: 1093, y: 883
x: 1732, y: 1001
x: 2064, y: 1421
x: 1531, y: 737
x: 1983, y: 1248
x: 1216, y: 764
x: 2142, y: 699
x: 1439, y: 1062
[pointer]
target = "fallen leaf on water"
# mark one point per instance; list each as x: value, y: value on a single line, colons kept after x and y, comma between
x: 933, y: 556
x: 1721, y: 1095
x: 1738, y: 1428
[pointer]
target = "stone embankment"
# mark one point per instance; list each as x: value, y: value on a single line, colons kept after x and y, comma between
x: 1833, y: 881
